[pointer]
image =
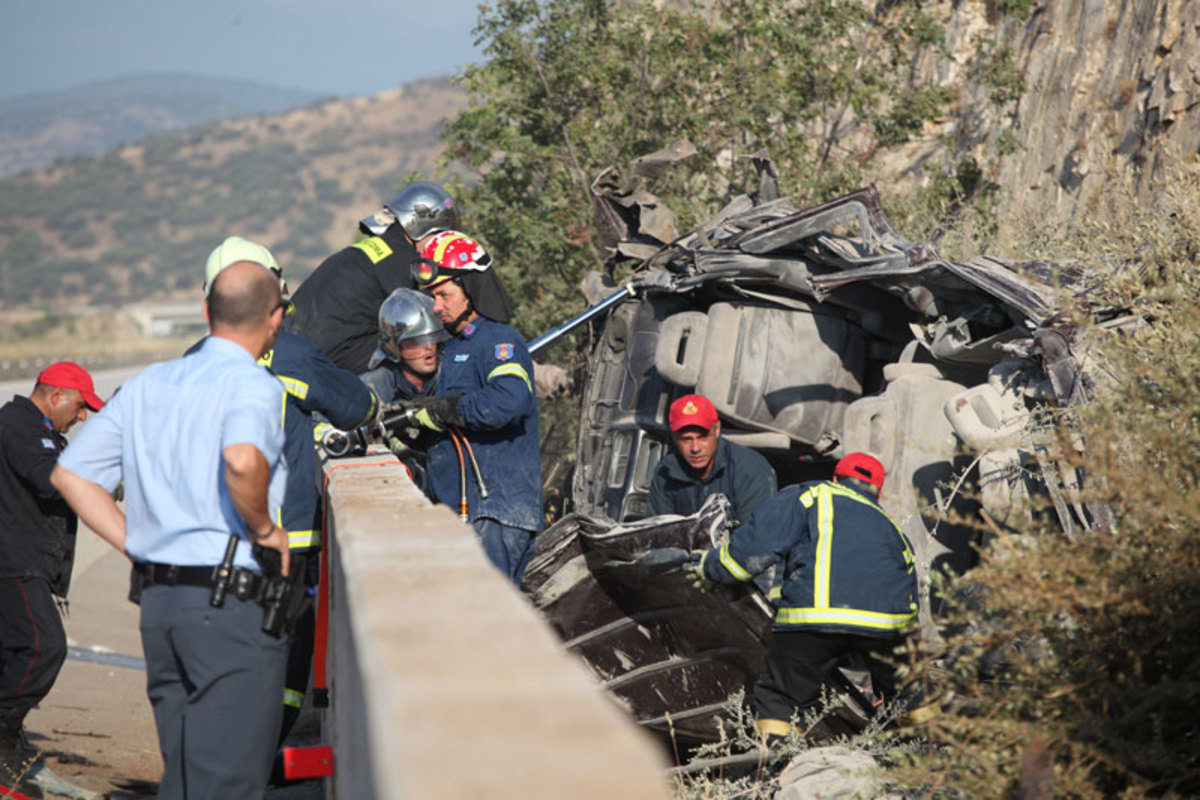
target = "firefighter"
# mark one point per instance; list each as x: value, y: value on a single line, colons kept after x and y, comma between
x: 703, y: 463
x: 849, y: 586
x: 485, y: 389
x: 405, y: 362
x: 313, y: 385
x: 37, y: 551
x: 337, y: 305
x: 405, y: 367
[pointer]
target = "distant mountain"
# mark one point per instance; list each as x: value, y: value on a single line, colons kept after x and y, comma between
x: 136, y: 223
x: 38, y: 129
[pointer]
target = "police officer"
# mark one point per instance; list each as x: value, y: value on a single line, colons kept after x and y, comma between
x: 849, y: 585
x: 37, y: 550
x: 313, y: 385
x: 199, y: 444
x: 485, y: 389
x: 704, y: 463
x: 337, y: 305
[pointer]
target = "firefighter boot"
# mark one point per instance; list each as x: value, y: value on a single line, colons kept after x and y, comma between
x: 17, y: 756
x: 772, y: 731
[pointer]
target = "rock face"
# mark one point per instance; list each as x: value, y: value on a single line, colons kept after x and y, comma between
x: 1106, y: 83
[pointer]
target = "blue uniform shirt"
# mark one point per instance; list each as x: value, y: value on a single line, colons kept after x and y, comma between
x: 164, y: 433
x: 741, y: 474
x: 488, y: 364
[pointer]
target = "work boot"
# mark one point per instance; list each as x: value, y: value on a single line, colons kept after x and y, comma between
x: 15, y: 747
x: 772, y: 732
x: 15, y: 778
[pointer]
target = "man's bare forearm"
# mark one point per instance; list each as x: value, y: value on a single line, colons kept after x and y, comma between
x: 95, y: 506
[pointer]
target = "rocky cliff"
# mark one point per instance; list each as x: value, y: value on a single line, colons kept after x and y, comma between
x: 1057, y: 102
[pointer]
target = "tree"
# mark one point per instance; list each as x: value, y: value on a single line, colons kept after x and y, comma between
x: 572, y: 87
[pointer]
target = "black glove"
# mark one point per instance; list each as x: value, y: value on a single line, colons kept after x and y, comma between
x: 438, y: 413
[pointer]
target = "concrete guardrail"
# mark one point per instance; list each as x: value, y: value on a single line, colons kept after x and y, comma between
x: 444, y: 681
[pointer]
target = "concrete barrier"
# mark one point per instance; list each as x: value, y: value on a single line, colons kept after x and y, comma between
x: 444, y: 681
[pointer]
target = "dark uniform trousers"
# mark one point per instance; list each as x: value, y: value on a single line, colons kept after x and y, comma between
x: 800, y: 662
x: 204, y: 666
x: 33, y: 644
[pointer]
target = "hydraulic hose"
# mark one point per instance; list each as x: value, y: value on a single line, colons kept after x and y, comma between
x: 483, y: 490
x: 462, y: 478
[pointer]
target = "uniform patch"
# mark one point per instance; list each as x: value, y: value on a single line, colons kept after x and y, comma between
x: 462, y: 356
x: 48, y: 444
x: 504, y: 352
x: 467, y: 331
x: 375, y: 248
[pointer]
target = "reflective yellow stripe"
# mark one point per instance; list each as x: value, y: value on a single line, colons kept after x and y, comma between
x: 298, y: 539
x: 844, y: 616
x: 293, y: 698
x: 375, y: 248
x: 319, y: 431
x: 775, y: 593
x: 807, y: 498
x: 824, y: 547
x: 294, y: 387
x: 735, y: 569
x: 442, y: 243
x: 370, y: 415
x: 512, y: 369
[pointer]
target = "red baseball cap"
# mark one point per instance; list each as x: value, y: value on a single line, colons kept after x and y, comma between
x: 69, y: 375
x: 692, y: 410
x: 863, y: 466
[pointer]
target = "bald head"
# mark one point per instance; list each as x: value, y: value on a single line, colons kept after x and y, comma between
x: 243, y: 295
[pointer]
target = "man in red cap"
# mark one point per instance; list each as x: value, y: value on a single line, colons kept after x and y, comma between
x: 704, y: 464
x: 37, y: 549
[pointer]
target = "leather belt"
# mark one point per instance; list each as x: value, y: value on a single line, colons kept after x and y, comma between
x: 244, y: 584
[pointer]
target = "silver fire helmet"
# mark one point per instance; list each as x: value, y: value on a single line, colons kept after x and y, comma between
x: 406, y: 317
x: 420, y: 208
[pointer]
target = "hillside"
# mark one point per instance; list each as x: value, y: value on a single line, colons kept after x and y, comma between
x: 137, y: 223
x: 37, y: 130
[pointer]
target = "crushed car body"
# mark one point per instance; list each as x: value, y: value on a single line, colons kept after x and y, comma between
x: 814, y: 332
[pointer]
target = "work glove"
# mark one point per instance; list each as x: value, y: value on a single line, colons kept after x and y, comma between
x: 694, y: 570
x: 438, y: 413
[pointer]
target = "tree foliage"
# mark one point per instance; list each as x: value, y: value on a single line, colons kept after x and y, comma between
x: 572, y: 87
x: 1078, y: 657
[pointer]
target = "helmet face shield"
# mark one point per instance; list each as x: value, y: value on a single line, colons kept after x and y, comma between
x: 427, y: 273
x: 406, y: 318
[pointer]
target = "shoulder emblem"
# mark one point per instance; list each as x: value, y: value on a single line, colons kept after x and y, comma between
x: 504, y: 352
x: 375, y: 248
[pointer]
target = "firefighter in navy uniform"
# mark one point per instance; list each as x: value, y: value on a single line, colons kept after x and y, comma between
x: 336, y: 306
x: 485, y: 389
x: 312, y: 384
x: 849, y: 586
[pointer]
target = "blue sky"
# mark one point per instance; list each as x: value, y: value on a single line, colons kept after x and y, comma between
x: 345, y: 49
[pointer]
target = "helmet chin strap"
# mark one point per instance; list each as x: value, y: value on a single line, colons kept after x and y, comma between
x: 456, y: 324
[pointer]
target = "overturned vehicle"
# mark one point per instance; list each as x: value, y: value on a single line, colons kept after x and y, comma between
x: 815, y: 332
